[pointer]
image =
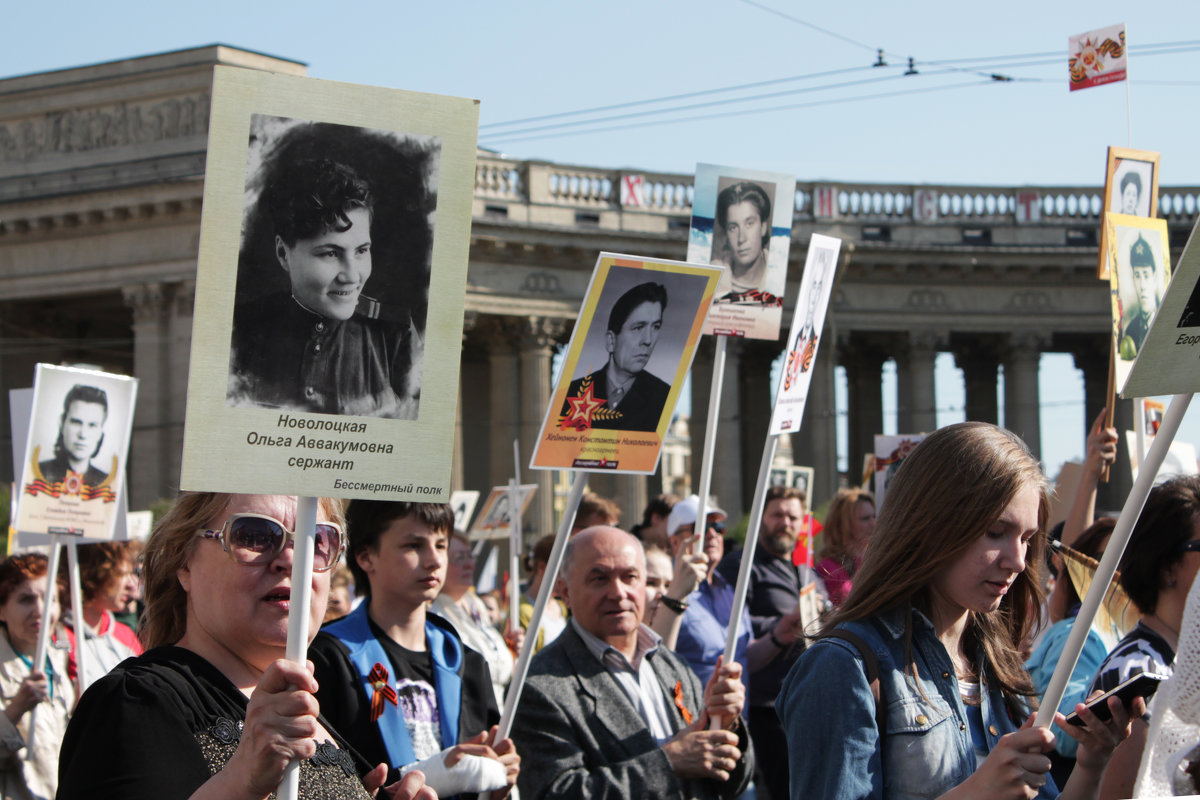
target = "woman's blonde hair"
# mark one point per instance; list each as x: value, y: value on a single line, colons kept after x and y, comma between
x: 169, y: 549
x: 838, y: 535
x: 948, y: 492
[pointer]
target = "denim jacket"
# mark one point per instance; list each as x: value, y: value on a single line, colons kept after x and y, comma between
x: 828, y: 713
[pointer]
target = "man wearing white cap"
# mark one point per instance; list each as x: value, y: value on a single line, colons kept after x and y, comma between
x: 706, y: 608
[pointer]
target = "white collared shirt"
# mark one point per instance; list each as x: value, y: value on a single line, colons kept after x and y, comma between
x: 638, y: 679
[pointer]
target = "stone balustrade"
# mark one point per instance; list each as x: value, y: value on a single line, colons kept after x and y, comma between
x: 658, y: 193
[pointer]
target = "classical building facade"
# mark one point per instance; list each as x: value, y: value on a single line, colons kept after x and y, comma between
x: 101, y: 179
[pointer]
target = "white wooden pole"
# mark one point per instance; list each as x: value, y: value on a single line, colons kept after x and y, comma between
x: 743, y: 581
x: 298, y: 611
x: 1111, y: 558
x: 710, y: 442
x: 43, y: 642
x: 81, y: 656
x: 547, y: 588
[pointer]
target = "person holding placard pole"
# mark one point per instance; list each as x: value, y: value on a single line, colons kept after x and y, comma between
x: 29, y: 764
x: 213, y: 709
x: 397, y: 680
x: 609, y: 711
x: 107, y: 582
x: 917, y: 677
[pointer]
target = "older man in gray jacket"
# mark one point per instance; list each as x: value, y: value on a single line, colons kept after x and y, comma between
x: 607, y: 712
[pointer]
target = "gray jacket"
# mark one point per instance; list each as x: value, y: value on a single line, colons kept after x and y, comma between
x: 580, y: 736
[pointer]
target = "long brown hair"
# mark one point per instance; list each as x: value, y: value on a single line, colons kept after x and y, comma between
x: 947, y: 493
x: 838, y: 535
x: 168, y: 550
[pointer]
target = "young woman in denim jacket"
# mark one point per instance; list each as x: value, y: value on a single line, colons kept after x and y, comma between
x: 947, y: 594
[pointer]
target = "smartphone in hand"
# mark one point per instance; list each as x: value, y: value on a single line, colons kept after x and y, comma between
x: 1141, y: 685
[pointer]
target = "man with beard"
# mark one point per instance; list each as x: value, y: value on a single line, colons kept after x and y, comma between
x: 773, y: 600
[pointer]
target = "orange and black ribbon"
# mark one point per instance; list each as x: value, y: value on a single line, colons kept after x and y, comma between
x: 379, y: 682
x: 683, y: 709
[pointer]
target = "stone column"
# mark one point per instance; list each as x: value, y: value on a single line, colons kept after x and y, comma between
x: 539, y: 335
x: 474, y: 406
x: 1022, y: 404
x: 180, y: 348
x: 729, y: 465
x: 1092, y: 357
x: 754, y: 402
x: 149, y: 447
x: 979, y: 359
x: 916, y: 393
x: 863, y: 359
x: 815, y: 444
x: 500, y: 336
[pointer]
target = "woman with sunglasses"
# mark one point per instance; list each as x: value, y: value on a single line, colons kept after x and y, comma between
x: 212, y: 709
x: 948, y: 591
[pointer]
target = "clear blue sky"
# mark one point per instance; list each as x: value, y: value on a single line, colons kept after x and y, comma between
x: 950, y: 123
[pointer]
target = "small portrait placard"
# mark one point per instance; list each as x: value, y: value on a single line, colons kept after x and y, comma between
x: 496, y: 518
x: 333, y: 214
x: 742, y: 220
x: 890, y: 452
x: 808, y: 324
x: 1130, y: 187
x: 1138, y: 280
x: 73, y: 471
x: 625, y: 366
x: 1168, y: 358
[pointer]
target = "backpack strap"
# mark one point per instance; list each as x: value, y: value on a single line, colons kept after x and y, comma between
x: 871, y: 667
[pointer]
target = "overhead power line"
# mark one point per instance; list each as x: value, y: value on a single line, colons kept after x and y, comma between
x: 746, y: 112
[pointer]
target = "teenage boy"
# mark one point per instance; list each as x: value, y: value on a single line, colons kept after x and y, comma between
x: 395, y: 680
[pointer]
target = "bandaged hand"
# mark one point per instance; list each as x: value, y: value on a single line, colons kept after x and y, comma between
x: 470, y: 773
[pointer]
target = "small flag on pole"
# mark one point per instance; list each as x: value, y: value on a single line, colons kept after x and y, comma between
x: 1097, y: 57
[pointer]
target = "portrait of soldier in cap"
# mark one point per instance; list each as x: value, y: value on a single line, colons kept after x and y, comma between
x: 1136, y: 319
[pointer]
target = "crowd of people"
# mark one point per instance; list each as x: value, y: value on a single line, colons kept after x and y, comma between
x: 906, y: 662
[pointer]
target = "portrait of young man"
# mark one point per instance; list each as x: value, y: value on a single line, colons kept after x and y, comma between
x: 633, y: 397
x: 1137, y: 317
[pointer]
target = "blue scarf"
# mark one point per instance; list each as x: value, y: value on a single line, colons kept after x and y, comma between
x: 446, y: 652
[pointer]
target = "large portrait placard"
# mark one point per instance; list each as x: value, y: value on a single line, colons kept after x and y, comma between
x: 742, y: 220
x: 1138, y: 280
x: 73, y: 471
x: 1130, y: 187
x: 808, y: 324
x: 333, y: 213
x: 1168, y: 359
x: 625, y: 366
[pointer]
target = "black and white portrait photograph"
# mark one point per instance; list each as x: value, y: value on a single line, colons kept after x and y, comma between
x: 333, y: 274
x: 75, y: 454
x: 1140, y: 274
x: 330, y: 286
x: 742, y: 237
x: 1130, y: 192
x: 625, y: 365
x: 634, y: 346
x: 1130, y: 187
x: 742, y: 220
